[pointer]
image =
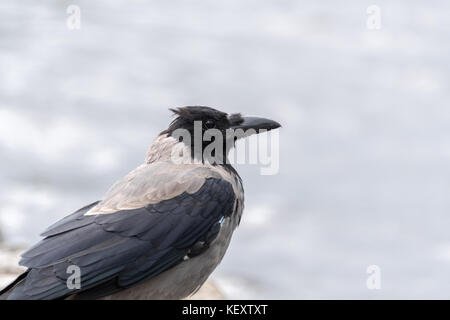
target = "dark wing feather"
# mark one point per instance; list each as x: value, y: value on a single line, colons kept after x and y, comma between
x: 117, y: 250
x: 72, y: 221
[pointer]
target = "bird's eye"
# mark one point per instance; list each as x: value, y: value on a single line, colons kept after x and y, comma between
x: 209, y: 124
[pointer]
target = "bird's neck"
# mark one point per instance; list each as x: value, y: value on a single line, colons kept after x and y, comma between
x: 167, y: 148
x: 161, y: 149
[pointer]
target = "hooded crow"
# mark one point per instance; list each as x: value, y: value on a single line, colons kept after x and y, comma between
x: 160, y: 231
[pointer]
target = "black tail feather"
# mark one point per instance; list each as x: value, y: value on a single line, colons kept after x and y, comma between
x: 4, y: 293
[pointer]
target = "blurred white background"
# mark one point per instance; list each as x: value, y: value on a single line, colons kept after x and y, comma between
x: 365, y: 145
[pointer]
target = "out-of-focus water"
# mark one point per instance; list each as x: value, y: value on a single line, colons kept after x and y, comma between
x: 365, y: 145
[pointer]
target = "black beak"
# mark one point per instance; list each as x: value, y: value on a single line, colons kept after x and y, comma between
x: 255, y: 123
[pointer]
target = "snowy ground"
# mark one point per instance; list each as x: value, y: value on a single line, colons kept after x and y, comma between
x: 365, y: 145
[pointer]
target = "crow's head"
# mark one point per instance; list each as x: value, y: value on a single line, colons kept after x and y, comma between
x: 208, y: 118
x: 204, y: 125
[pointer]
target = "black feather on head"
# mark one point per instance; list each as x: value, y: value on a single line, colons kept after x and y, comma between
x: 210, y: 118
